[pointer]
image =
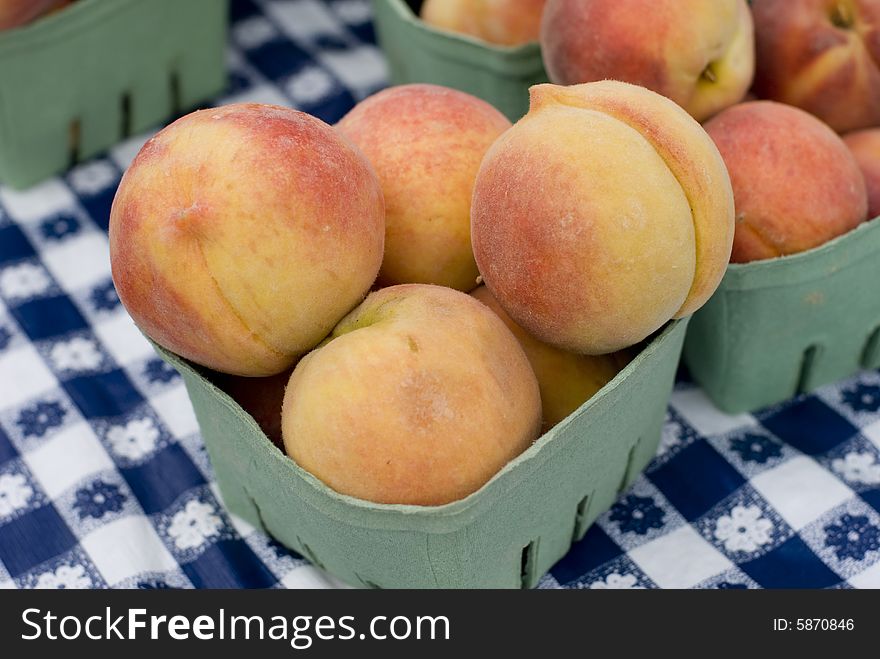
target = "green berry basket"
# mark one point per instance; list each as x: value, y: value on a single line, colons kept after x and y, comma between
x: 785, y: 326
x: 505, y: 535
x: 76, y: 82
x: 417, y: 52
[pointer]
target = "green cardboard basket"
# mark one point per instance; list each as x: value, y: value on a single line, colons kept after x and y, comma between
x: 781, y: 327
x: 417, y: 52
x: 505, y: 535
x: 74, y: 83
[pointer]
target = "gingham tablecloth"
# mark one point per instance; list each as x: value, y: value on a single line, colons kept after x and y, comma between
x: 104, y: 480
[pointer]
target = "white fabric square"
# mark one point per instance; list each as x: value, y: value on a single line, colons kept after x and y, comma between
x: 800, y: 490
x: 23, y: 375
x: 303, y: 19
x: 83, y: 455
x: 79, y: 262
x: 680, y: 559
x: 126, y: 547
x: 872, y: 432
x: 7, y: 584
x: 38, y: 202
x: 701, y: 413
x: 361, y: 69
x: 122, y: 339
x: 176, y: 411
x: 869, y: 578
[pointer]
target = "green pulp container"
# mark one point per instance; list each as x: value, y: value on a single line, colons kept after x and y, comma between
x: 417, y: 52
x: 74, y: 83
x: 505, y: 535
x: 785, y: 326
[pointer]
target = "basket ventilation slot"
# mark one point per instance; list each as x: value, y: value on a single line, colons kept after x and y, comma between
x: 125, y: 115
x: 630, y: 466
x: 528, y: 565
x: 581, y: 518
x: 74, y: 137
x: 871, y: 354
x: 808, y: 364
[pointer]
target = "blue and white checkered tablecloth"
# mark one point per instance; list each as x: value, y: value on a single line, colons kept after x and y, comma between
x: 104, y: 480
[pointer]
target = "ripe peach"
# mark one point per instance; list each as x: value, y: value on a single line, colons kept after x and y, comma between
x: 865, y: 147
x: 698, y: 53
x: 566, y: 380
x: 15, y: 13
x: 504, y: 22
x: 241, y: 235
x: 795, y: 184
x: 602, y: 214
x: 419, y: 396
x: 426, y: 144
x: 821, y: 56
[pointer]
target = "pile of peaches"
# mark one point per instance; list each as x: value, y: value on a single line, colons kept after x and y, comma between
x: 406, y: 300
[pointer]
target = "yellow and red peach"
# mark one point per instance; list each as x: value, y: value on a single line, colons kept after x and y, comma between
x: 15, y: 13
x: 822, y: 56
x: 419, y: 396
x: 602, y: 214
x: 795, y: 184
x: 426, y: 143
x: 504, y: 22
x: 865, y: 147
x: 566, y: 380
x: 241, y: 235
x: 700, y: 54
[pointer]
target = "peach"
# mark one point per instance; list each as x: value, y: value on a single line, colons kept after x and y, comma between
x: 419, y: 396
x: 822, y: 56
x: 602, y: 214
x: 504, y: 22
x: 15, y: 13
x: 698, y: 53
x: 426, y: 144
x: 865, y: 147
x: 795, y: 184
x: 240, y: 235
x: 260, y: 397
x: 566, y: 380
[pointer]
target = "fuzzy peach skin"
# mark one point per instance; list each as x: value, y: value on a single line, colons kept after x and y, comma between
x: 419, y: 396
x: 426, y: 143
x: 699, y: 53
x: 600, y: 215
x: 865, y: 147
x: 795, y: 183
x: 262, y: 398
x: 566, y: 380
x: 241, y: 235
x: 822, y: 56
x: 15, y: 13
x: 504, y: 22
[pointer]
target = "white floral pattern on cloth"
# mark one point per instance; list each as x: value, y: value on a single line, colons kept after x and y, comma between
x: 858, y: 468
x: 78, y: 354
x: 15, y: 492
x: 135, y: 439
x: 616, y: 581
x: 65, y: 576
x: 310, y: 85
x: 24, y: 280
x: 94, y: 177
x: 196, y: 523
x: 744, y: 529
